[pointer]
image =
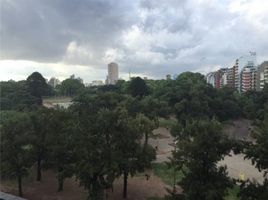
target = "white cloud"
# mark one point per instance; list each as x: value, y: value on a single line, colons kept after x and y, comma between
x: 150, y: 38
x: 21, y: 69
x: 76, y: 54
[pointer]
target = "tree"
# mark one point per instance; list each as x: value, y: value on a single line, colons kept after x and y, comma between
x: 122, y: 86
x: 96, y: 124
x: 16, y: 149
x: 108, y: 142
x: 138, y: 87
x: 200, y: 145
x: 146, y: 127
x: 153, y: 108
x: 257, y: 152
x: 71, y: 86
x: 15, y: 96
x: 225, y: 104
x: 189, y: 97
x: 37, y: 86
x: 41, y: 121
x: 61, y: 156
x: 131, y: 155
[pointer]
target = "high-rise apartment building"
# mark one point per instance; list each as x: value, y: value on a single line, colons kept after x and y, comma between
x: 248, y: 78
x: 225, y: 77
x: 262, y: 75
x: 112, y: 77
x: 211, y: 78
x: 217, y: 78
x: 236, y: 74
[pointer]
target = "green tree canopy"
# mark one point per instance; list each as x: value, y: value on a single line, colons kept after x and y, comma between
x: 42, y: 120
x: 200, y: 145
x: 15, y: 96
x: 258, y: 152
x: 16, y: 148
x: 189, y: 97
x: 71, y: 86
x: 138, y: 87
x: 60, y: 148
x: 37, y: 86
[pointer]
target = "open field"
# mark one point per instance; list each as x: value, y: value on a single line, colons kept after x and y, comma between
x: 61, y: 101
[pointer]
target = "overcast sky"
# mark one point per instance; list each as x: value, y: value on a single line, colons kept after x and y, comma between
x: 146, y: 37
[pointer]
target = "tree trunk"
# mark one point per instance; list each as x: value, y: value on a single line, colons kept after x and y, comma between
x: 125, y: 184
x: 19, y: 184
x: 146, y: 139
x: 60, y: 179
x: 60, y: 184
x: 39, y: 175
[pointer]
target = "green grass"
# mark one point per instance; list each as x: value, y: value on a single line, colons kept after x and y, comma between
x: 168, y: 123
x: 166, y: 174
x: 233, y: 193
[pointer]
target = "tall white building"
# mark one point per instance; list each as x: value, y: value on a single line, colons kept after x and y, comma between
x: 211, y: 78
x: 112, y: 77
x: 247, y: 60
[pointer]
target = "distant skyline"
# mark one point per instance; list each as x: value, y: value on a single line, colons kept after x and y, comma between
x: 150, y: 38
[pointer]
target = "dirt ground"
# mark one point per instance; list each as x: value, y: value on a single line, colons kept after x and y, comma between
x: 138, y: 188
x: 238, y: 129
x: 237, y: 166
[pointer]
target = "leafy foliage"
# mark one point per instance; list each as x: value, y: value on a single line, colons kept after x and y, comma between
x: 200, y: 145
x: 16, y: 148
x: 15, y: 96
x: 71, y: 86
x: 41, y: 120
x: 138, y: 87
x: 257, y: 152
x: 104, y: 134
x: 109, y: 137
x: 37, y: 86
x: 60, y: 148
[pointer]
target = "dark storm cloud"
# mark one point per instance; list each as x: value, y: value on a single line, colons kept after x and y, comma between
x: 42, y: 30
x: 147, y: 36
x: 171, y: 15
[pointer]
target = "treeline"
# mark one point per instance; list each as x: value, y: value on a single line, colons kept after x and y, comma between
x: 104, y: 134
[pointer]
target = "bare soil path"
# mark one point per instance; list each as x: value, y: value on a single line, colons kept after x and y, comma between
x: 138, y: 188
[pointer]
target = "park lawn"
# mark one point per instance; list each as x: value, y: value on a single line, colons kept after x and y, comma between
x: 167, y: 175
x: 168, y: 123
x: 233, y: 193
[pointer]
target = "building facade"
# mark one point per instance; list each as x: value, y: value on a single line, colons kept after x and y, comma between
x: 262, y: 76
x: 248, y: 78
x: 211, y: 78
x: 112, y: 77
x: 243, y: 76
